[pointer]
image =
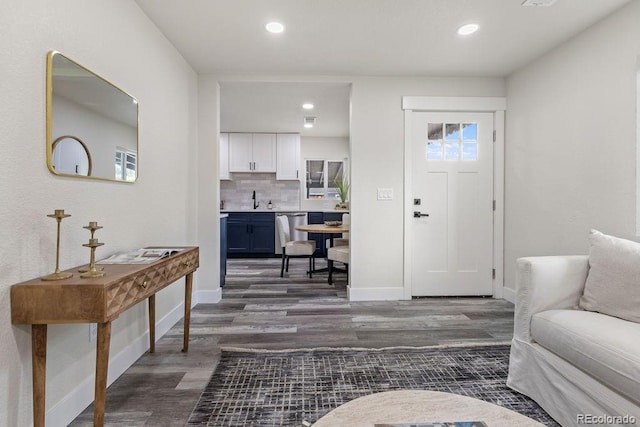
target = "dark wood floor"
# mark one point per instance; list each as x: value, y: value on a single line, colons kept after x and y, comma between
x: 261, y: 310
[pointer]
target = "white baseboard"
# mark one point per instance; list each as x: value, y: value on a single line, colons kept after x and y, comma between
x: 208, y: 297
x: 375, y: 294
x: 509, y: 294
x: 75, y: 402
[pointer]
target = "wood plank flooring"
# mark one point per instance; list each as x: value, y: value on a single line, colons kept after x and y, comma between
x: 261, y: 310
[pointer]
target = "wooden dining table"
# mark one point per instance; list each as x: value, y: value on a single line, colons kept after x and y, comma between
x: 324, y: 229
x: 331, y: 230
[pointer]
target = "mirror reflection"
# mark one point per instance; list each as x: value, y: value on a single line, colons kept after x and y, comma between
x: 71, y: 156
x: 92, y: 126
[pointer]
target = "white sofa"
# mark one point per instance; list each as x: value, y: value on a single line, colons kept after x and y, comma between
x: 576, y: 364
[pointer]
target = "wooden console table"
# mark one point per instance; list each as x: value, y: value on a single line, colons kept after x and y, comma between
x: 98, y: 300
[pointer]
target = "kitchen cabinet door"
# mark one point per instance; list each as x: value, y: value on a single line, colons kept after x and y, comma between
x: 240, y: 152
x: 288, y: 155
x: 224, y: 156
x: 264, y: 152
x: 239, y: 239
x: 251, y: 233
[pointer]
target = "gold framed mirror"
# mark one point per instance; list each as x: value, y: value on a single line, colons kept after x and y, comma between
x: 92, y: 125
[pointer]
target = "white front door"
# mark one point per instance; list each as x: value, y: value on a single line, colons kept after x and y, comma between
x: 451, y: 222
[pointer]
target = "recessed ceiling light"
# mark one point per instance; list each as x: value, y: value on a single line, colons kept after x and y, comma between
x: 308, y: 125
x: 274, y: 27
x: 307, y: 106
x: 467, y: 29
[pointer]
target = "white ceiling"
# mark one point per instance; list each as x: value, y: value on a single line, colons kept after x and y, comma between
x: 364, y: 37
x: 277, y: 107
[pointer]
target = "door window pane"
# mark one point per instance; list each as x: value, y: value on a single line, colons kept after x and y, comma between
x: 434, y: 131
x: 434, y: 151
x: 469, y: 151
x: 469, y: 131
x: 452, y: 151
x: 453, y: 132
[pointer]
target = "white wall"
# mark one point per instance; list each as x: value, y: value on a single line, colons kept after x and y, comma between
x: 571, y: 143
x: 208, y: 206
x: 108, y: 37
x: 318, y: 148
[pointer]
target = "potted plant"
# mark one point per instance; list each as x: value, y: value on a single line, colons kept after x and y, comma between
x: 342, y: 185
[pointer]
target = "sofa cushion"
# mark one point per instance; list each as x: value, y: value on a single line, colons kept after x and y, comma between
x: 613, y: 282
x: 605, y: 347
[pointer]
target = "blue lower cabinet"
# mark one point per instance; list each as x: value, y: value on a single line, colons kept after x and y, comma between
x: 251, y: 233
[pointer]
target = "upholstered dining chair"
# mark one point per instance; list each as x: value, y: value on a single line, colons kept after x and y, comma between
x: 337, y: 254
x: 344, y: 240
x: 293, y: 248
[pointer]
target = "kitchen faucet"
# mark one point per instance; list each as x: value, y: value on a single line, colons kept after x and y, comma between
x: 255, y: 203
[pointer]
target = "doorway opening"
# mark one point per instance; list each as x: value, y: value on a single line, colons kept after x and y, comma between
x: 273, y: 138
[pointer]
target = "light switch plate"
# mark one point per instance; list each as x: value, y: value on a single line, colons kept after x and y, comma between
x: 385, y: 193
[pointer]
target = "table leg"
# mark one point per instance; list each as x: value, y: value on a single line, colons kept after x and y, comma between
x: 39, y: 371
x: 152, y: 323
x: 102, y: 365
x: 187, y: 310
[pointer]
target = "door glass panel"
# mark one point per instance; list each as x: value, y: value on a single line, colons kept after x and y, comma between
x: 434, y: 151
x: 435, y: 131
x: 469, y: 151
x: 453, y: 131
x: 469, y: 131
x: 452, y: 151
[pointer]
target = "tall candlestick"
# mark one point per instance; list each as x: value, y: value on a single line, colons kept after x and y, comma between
x: 58, y: 214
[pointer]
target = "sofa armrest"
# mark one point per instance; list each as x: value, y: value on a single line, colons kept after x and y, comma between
x: 547, y: 283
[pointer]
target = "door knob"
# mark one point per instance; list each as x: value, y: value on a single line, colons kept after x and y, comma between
x: 418, y: 214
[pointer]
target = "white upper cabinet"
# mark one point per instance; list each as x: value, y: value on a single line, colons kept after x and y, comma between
x: 224, y: 156
x: 288, y: 149
x: 240, y: 152
x: 264, y: 152
x: 252, y: 152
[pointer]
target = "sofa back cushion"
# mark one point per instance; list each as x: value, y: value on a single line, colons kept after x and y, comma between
x: 613, y: 281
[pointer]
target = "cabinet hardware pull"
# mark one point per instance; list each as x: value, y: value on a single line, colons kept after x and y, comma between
x: 144, y: 284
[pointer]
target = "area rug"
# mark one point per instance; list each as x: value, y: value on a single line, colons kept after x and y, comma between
x: 276, y: 388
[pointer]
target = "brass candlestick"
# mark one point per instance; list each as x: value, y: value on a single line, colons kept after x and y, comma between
x: 58, y: 214
x: 93, y: 226
x: 93, y: 271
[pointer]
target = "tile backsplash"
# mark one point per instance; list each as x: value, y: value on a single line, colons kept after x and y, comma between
x: 237, y: 192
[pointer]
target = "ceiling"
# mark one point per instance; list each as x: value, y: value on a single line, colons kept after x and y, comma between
x: 277, y: 107
x: 359, y: 37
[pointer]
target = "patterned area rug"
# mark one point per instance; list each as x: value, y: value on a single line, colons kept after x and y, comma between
x: 287, y: 388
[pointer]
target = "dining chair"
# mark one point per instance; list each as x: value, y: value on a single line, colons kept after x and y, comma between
x: 293, y: 248
x: 344, y: 240
x: 337, y: 254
